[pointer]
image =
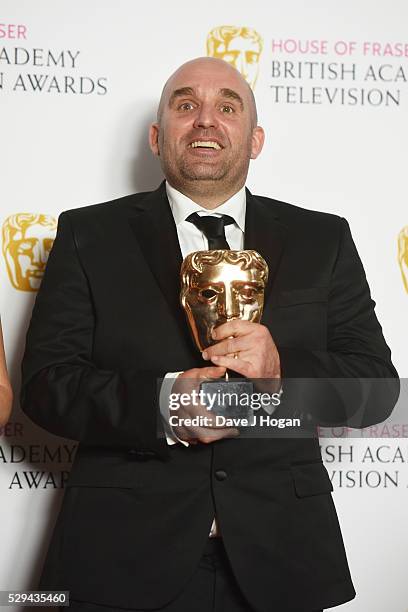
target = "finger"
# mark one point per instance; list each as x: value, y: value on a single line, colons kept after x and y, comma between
x: 237, y: 365
x: 206, y: 436
x: 199, y: 373
x: 237, y: 327
x: 212, y: 372
x: 198, y: 433
x: 229, y: 345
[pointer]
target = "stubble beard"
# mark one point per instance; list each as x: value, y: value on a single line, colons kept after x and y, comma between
x: 201, y: 178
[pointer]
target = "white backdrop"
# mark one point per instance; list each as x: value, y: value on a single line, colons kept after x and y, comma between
x: 79, y: 83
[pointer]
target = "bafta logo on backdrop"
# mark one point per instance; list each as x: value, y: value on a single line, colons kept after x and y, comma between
x: 240, y: 47
x: 27, y: 242
x: 403, y: 255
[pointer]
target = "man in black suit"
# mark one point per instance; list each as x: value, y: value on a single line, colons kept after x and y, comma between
x: 133, y: 531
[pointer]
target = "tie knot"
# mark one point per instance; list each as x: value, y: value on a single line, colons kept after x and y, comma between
x: 213, y: 228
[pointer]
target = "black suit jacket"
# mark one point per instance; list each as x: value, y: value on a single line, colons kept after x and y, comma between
x: 136, y: 513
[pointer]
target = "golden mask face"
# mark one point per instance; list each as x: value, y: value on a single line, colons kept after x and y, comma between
x: 27, y: 242
x: 403, y: 255
x: 219, y: 286
x: 240, y: 47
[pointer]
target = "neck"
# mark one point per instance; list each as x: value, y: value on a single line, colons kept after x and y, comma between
x: 205, y: 194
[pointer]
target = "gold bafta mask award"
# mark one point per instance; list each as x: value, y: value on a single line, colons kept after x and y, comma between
x: 219, y: 286
x: 27, y: 242
x: 239, y: 46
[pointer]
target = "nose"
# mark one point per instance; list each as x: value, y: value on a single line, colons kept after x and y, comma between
x: 229, y: 306
x: 206, y: 117
x: 242, y: 67
x: 39, y: 255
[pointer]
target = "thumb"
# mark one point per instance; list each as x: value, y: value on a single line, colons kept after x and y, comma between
x: 213, y: 372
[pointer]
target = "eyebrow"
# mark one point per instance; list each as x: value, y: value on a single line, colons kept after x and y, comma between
x: 178, y: 93
x: 232, y: 95
x: 189, y: 91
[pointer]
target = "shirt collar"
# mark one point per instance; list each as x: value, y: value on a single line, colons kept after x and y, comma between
x: 181, y: 206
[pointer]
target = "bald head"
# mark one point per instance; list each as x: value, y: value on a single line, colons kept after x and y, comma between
x: 206, y: 131
x: 204, y: 67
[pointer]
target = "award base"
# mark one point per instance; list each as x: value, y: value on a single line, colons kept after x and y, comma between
x: 232, y: 398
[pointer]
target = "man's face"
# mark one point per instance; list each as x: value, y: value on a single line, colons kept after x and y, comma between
x: 27, y: 255
x: 221, y: 293
x: 206, y: 131
x: 243, y: 54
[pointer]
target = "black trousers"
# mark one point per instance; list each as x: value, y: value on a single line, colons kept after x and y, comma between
x: 212, y: 588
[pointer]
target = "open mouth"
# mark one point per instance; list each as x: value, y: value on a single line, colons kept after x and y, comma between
x: 205, y: 144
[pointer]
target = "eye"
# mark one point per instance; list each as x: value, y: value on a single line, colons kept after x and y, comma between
x: 24, y: 247
x: 230, y: 57
x: 208, y: 293
x: 227, y: 109
x: 186, y: 106
x: 248, y: 293
x: 251, y: 57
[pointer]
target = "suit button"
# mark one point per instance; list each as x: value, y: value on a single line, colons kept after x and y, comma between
x: 221, y: 474
x: 140, y: 454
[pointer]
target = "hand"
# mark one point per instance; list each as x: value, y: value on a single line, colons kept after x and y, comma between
x: 187, y: 382
x: 246, y: 348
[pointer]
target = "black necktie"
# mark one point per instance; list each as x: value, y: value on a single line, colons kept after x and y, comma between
x: 213, y: 229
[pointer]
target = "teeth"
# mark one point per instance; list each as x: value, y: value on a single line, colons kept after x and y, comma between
x: 205, y: 143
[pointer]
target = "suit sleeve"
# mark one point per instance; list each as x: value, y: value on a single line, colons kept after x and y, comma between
x: 62, y: 389
x: 354, y: 381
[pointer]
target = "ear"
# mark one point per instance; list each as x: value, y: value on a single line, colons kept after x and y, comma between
x: 154, y: 138
x: 258, y: 139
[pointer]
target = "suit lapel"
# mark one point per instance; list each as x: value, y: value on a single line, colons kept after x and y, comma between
x: 265, y: 234
x: 153, y: 226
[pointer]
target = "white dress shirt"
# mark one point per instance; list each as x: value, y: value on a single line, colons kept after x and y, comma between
x: 190, y: 237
